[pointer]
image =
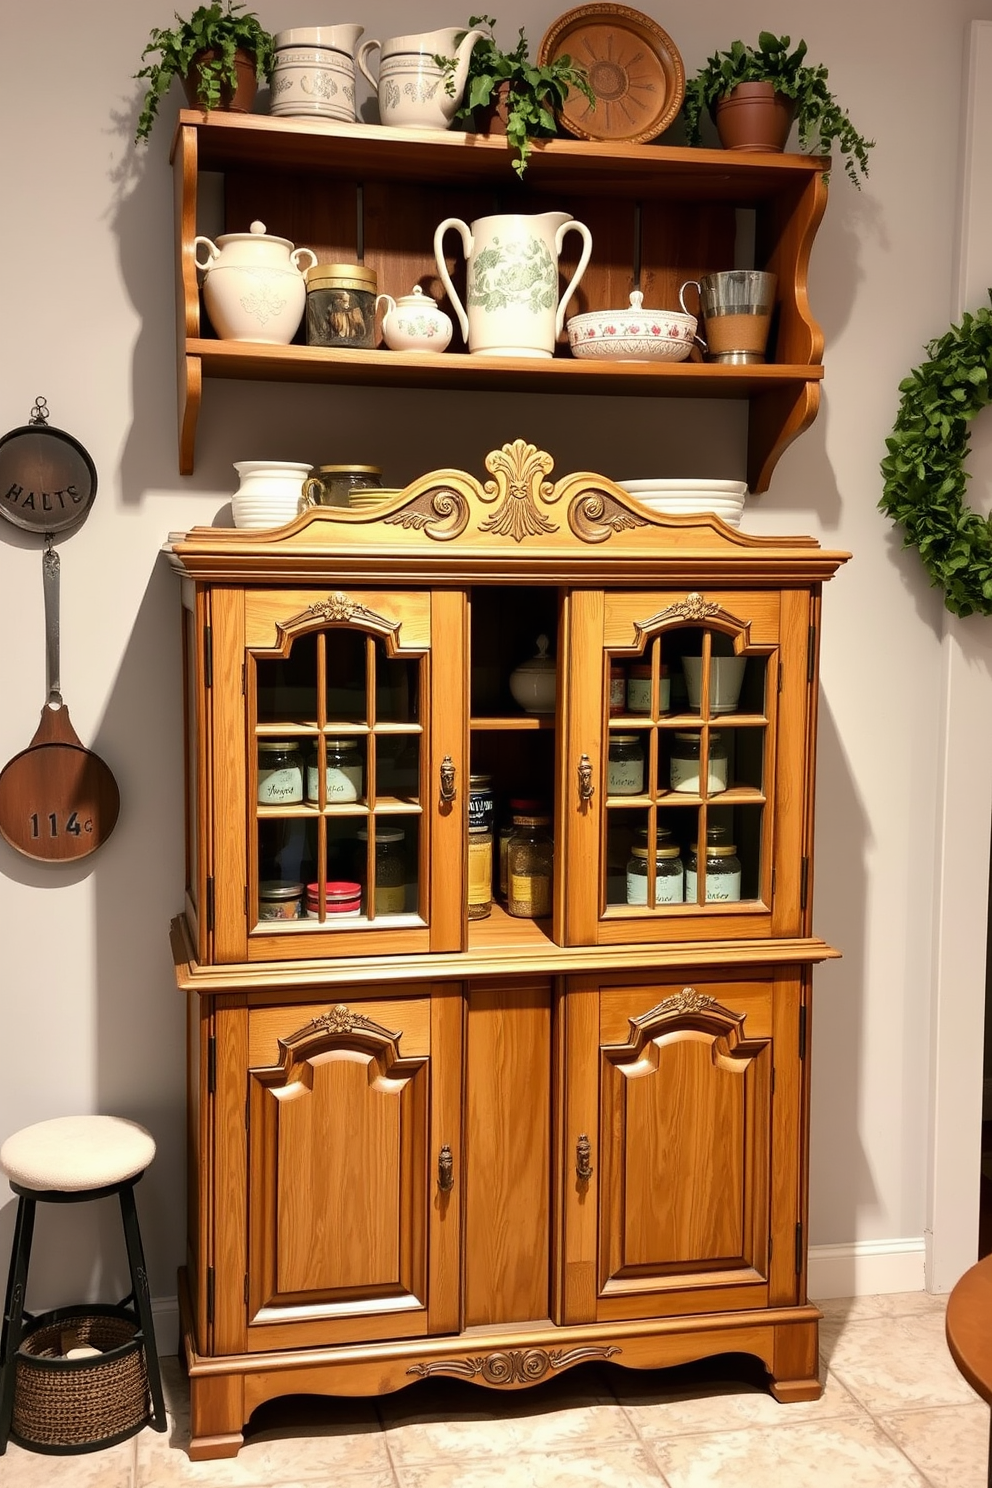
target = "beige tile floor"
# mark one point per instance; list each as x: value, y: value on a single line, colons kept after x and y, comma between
x: 894, y: 1414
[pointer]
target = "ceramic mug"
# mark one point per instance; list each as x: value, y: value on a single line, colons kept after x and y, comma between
x: 313, y: 75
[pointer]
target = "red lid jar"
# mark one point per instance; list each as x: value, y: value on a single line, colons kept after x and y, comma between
x: 341, y: 897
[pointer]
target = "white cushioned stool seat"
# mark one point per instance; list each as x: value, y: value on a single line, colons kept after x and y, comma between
x: 72, y: 1153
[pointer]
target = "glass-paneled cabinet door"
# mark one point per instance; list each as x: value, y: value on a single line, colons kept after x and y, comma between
x: 689, y: 721
x: 339, y: 733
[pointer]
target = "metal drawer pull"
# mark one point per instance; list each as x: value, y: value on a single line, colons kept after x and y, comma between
x: 586, y: 787
x: 447, y: 778
x: 445, y: 1170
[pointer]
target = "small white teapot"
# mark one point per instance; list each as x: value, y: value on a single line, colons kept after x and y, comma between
x: 254, y: 287
x: 413, y: 322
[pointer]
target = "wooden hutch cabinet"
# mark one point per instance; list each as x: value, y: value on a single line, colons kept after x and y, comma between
x: 422, y: 1143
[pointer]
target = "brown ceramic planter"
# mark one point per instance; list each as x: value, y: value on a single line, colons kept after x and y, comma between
x: 754, y: 117
x: 237, y: 100
x: 493, y: 118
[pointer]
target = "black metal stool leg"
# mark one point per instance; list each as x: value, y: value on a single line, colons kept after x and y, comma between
x: 13, y: 1313
x: 142, y: 1302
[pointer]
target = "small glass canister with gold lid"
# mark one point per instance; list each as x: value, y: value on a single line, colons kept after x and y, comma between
x: 341, y: 306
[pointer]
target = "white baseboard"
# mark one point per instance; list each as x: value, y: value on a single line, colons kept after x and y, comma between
x: 865, y: 1267
x: 165, y: 1315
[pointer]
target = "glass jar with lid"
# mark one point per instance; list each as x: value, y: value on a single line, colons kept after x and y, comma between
x: 342, y: 768
x: 625, y: 765
x: 723, y: 869
x: 529, y: 866
x: 685, y: 771
x: 334, y: 485
x: 390, y: 867
x: 279, y: 900
x: 669, y: 875
x: 280, y: 772
x: 480, y: 872
x: 639, y: 688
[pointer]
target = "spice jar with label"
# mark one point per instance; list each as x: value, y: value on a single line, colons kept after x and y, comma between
x: 389, y: 868
x: 625, y: 765
x: 480, y: 873
x: 685, y: 771
x: 280, y: 772
x: 529, y: 865
x: 280, y: 901
x: 481, y: 805
x: 639, y: 688
x: 669, y: 875
x: 519, y: 806
x: 342, y: 770
x: 723, y: 869
x: 341, y: 305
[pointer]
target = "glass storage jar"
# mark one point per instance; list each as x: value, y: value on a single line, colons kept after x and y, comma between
x: 342, y: 770
x: 723, y: 869
x: 529, y: 863
x: 625, y: 765
x: 341, y: 305
x: 280, y: 772
x: 519, y: 806
x: 480, y: 803
x: 480, y: 873
x: 639, y: 688
x: 684, y: 768
x: 280, y: 901
x: 332, y: 485
x: 390, y: 868
x: 669, y: 876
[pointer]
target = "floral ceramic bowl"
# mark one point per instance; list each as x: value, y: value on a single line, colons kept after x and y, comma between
x: 632, y: 335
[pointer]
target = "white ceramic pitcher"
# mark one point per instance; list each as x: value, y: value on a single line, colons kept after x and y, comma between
x: 512, y: 280
x: 410, y: 86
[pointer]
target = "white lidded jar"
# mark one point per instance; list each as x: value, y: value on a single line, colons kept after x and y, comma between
x: 253, y: 285
x: 414, y: 322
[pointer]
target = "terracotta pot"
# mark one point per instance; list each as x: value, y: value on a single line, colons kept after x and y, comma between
x: 754, y: 117
x: 492, y: 119
x: 237, y: 100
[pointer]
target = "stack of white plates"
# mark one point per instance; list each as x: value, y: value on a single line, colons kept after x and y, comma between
x: 690, y: 497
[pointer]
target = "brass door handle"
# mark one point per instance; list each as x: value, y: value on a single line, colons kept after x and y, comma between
x: 583, y: 1154
x: 586, y: 787
x: 448, y: 791
x: 445, y: 1170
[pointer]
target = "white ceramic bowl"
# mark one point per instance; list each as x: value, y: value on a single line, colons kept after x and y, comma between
x: 632, y: 335
x: 681, y: 487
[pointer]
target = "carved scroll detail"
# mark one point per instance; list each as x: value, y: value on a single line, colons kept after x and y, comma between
x: 441, y: 514
x: 518, y: 468
x: 513, y: 1366
x: 595, y: 515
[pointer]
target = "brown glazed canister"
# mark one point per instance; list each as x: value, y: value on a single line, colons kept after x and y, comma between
x: 341, y: 306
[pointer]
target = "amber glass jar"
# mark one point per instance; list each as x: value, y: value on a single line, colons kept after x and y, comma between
x: 529, y: 865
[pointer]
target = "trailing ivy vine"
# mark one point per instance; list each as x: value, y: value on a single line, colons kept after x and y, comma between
x: 924, y: 470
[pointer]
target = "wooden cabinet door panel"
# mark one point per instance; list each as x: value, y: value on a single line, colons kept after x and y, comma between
x: 679, y: 1213
x: 346, y: 1236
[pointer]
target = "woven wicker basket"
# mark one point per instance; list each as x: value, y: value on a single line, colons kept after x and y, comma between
x: 78, y: 1405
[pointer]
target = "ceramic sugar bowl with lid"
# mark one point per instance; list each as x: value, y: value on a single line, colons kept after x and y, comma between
x: 253, y: 285
x: 413, y: 322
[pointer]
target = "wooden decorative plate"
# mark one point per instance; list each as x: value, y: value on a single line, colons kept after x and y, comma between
x: 634, y: 69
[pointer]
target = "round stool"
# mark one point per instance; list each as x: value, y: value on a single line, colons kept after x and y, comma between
x: 66, y: 1161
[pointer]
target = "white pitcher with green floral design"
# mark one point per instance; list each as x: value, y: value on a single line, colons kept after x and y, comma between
x: 512, y: 280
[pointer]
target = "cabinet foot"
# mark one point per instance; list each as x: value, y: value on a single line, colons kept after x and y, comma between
x: 209, y: 1448
x: 787, y: 1392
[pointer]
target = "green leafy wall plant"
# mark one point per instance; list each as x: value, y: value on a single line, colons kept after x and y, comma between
x: 219, y: 28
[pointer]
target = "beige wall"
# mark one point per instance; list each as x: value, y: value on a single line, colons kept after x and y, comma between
x: 89, y: 1018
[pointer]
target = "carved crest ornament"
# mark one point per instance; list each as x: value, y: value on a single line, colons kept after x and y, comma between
x: 513, y: 1366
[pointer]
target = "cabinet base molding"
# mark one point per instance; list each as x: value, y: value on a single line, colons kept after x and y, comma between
x: 226, y: 1389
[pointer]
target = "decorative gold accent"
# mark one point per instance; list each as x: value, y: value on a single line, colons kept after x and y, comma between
x: 595, y: 515
x: 340, y: 1019
x: 445, y: 1169
x: 514, y: 1366
x: 693, y: 607
x: 686, y: 1001
x: 583, y: 1159
x: 441, y: 513
x: 586, y: 787
x: 338, y: 606
x: 447, y: 773
x: 518, y: 468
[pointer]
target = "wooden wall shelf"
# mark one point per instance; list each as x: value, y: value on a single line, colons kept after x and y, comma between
x: 363, y: 192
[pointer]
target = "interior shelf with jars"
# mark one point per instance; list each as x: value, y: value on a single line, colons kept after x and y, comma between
x: 497, y: 936
x: 374, y: 195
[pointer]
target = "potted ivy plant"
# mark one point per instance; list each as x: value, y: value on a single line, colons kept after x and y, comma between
x: 507, y: 93
x: 220, y: 55
x: 788, y: 88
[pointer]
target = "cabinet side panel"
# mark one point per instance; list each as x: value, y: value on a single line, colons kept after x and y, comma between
x: 507, y: 1146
